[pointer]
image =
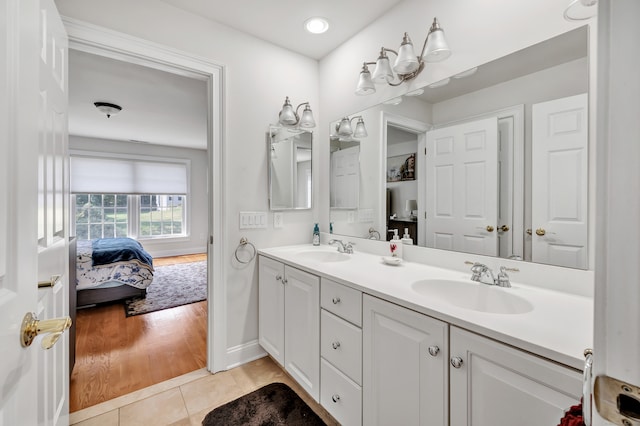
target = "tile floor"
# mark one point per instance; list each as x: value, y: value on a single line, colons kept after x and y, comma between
x: 187, y: 399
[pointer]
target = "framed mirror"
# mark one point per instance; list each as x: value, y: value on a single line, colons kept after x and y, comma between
x: 524, y: 198
x: 290, y: 172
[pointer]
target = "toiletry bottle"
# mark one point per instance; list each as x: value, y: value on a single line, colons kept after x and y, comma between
x: 395, y: 245
x: 316, y: 235
x: 406, y: 238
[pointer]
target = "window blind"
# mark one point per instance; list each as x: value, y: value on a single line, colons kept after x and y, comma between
x: 98, y: 175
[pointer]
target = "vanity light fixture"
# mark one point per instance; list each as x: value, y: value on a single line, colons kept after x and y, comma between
x: 407, y: 65
x: 289, y: 117
x: 345, y: 130
x: 107, y: 108
x: 580, y: 10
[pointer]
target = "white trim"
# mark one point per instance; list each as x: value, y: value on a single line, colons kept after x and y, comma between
x: 104, y: 42
x: 178, y: 252
x: 244, y: 353
x: 420, y: 129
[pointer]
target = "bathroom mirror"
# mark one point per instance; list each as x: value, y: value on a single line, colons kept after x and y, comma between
x: 511, y: 96
x: 289, y: 157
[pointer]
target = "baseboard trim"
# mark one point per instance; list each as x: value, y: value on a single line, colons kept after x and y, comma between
x: 246, y: 352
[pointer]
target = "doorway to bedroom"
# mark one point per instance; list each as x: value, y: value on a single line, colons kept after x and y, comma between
x: 139, y: 172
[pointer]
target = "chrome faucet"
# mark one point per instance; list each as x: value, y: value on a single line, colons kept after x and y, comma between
x: 483, y: 274
x: 342, y: 247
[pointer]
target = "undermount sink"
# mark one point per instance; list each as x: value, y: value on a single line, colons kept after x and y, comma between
x: 474, y: 296
x: 324, y: 256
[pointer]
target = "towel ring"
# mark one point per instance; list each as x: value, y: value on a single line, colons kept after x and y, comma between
x: 243, y: 243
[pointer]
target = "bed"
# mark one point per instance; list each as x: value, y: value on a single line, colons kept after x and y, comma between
x: 110, y: 269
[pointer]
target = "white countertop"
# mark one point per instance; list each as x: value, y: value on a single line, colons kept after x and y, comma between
x: 559, y: 327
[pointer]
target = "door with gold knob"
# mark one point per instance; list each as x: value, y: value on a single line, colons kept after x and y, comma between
x: 33, y: 212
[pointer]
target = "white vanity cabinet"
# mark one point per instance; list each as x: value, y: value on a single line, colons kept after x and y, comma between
x: 341, y: 352
x: 494, y: 384
x: 405, y: 366
x: 289, y: 320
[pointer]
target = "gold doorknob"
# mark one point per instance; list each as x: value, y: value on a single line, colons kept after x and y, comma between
x: 489, y: 228
x: 52, y: 329
x: 529, y: 231
x: 540, y: 232
x: 504, y: 228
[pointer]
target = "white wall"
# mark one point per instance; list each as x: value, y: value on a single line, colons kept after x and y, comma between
x: 257, y: 77
x: 197, y: 210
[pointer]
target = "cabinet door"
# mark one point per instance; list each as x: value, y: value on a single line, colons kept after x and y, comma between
x: 302, y: 329
x: 271, y: 307
x: 500, y: 385
x: 402, y: 383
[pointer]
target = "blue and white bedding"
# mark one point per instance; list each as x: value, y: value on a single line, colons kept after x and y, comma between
x: 107, y: 263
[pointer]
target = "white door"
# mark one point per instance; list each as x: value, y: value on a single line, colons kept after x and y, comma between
x: 505, y: 189
x: 302, y: 329
x: 559, y: 182
x: 462, y: 185
x: 497, y: 385
x: 271, y: 307
x: 404, y: 366
x: 345, y: 178
x: 33, y: 214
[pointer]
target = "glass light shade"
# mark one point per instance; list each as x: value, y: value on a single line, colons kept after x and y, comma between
x: 406, y: 62
x: 382, y: 74
x: 437, y: 48
x: 344, y: 129
x: 365, y: 84
x: 287, y: 115
x: 361, y: 131
x: 306, y: 120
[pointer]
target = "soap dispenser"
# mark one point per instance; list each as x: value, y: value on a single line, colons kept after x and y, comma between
x: 395, y: 245
x: 316, y: 235
x: 406, y: 238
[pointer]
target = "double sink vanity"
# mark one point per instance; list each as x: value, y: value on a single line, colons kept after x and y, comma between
x: 378, y: 344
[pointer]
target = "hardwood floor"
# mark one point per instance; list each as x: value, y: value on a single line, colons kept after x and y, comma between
x: 116, y: 355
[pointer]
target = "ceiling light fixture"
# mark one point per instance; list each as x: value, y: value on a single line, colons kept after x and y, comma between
x: 316, y: 25
x: 407, y: 65
x: 580, y: 10
x: 289, y: 117
x: 107, y: 108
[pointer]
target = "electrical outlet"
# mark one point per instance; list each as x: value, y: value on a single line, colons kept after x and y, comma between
x: 278, y: 220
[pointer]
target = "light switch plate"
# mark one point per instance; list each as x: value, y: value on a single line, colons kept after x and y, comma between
x: 278, y: 220
x: 253, y: 220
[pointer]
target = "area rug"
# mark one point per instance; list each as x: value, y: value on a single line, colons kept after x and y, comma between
x: 274, y: 404
x: 172, y: 285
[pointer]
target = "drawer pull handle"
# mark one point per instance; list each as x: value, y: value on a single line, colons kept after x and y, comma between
x: 456, y: 362
x: 278, y: 277
x: 335, y: 300
x: 335, y: 345
x: 434, y: 350
x: 335, y: 398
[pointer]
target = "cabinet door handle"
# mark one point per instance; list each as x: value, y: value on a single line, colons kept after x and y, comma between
x: 335, y: 398
x: 335, y: 345
x: 335, y: 300
x: 433, y: 350
x: 284, y: 281
x: 456, y: 362
x: 278, y: 277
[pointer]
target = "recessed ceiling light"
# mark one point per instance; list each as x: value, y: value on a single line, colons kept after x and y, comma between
x: 316, y: 25
x: 393, y: 101
x: 466, y: 73
x: 440, y: 83
x: 416, y: 92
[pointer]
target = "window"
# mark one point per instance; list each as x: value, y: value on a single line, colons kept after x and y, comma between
x: 122, y: 215
x: 139, y: 197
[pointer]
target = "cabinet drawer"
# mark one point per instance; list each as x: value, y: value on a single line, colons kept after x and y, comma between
x: 341, y: 344
x: 340, y: 396
x: 342, y: 301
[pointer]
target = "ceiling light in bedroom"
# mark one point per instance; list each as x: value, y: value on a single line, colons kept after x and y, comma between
x: 107, y: 108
